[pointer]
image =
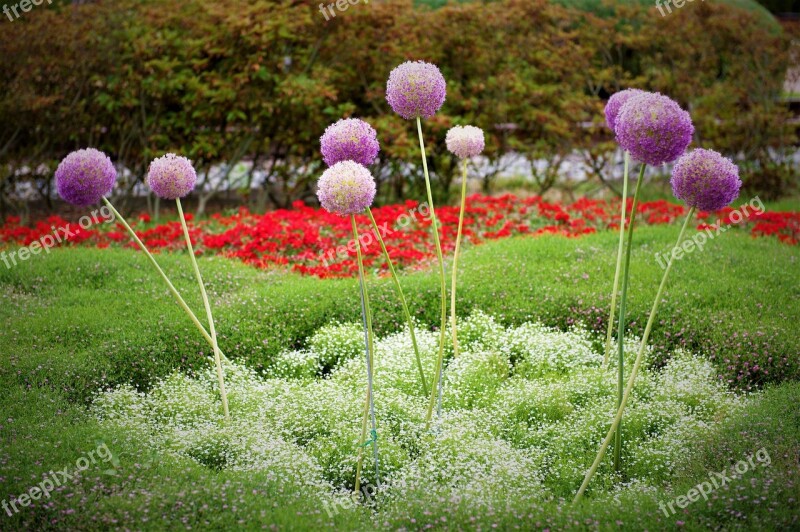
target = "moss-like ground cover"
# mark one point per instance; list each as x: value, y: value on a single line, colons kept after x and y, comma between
x: 79, y: 320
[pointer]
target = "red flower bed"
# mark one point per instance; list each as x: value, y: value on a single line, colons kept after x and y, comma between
x: 312, y: 241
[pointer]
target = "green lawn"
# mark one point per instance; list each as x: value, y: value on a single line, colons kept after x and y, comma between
x: 78, y: 320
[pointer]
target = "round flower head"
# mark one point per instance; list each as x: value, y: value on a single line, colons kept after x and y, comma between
x: 706, y: 180
x: 349, y: 139
x: 416, y: 89
x: 85, y: 176
x: 653, y: 128
x: 465, y: 141
x: 617, y: 100
x: 171, y: 176
x: 346, y: 188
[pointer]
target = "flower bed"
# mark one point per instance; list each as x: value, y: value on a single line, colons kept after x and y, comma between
x: 305, y: 239
x: 523, y: 412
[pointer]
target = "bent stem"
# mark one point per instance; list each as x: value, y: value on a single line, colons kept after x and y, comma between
x: 619, y: 261
x: 455, y: 256
x: 635, y: 370
x: 621, y: 325
x: 172, y: 288
x: 368, y: 351
x: 402, y: 300
x: 437, y: 376
x: 217, y: 356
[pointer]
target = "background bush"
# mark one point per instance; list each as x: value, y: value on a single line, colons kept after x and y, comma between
x: 224, y: 81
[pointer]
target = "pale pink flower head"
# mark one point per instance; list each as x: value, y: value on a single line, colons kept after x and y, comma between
x: 349, y: 139
x: 346, y: 188
x: 465, y: 141
x: 171, y: 176
x: 416, y: 89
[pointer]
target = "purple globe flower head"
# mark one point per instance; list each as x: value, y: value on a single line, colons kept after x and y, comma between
x: 416, y: 89
x: 465, y: 141
x: 171, y: 176
x: 349, y: 139
x: 346, y: 188
x: 706, y: 180
x: 653, y: 128
x: 85, y: 176
x: 617, y: 100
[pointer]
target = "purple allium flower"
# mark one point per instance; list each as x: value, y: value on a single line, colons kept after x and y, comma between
x: 465, y: 141
x: 653, y: 128
x: 706, y: 180
x: 85, y: 176
x: 416, y: 89
x: 346, y: 188
x: 349, y: 139
x: 617, y: 100
x: 171, y: 176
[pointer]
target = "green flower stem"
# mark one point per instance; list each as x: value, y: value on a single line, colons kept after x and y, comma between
x: 172, y: 288
x: 455, y: 256
x: 217, y: 356
x: 619, y: 261
x: 635, y: 370
x: 368, y: 351
x: 361, y: 441
x: 621, y: 325
x: 402, y: 300
x: 437, y: 376
x: 365, y: 417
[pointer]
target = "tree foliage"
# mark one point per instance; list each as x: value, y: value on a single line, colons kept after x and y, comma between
x: 225, y: 81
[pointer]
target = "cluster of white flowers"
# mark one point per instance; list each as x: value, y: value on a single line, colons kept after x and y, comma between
x: 524, y: 409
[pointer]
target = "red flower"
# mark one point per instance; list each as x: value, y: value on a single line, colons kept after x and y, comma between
x: 311, y: 241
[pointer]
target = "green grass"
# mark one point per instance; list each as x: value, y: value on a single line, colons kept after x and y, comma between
x: 81, y: 319
x: 86, y: 318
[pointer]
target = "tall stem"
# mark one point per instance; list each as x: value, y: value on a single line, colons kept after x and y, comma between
x: 437, y: 376
x: 368, y: 348
x: 217, y: 356
x: 621, y: 325
x: 619, y: 261
x: 402, y: 296
x: 365, y: 417
x: 362, y: 439
x: 455, y: 256
x: 172, y: 288
x: 635, y: 370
